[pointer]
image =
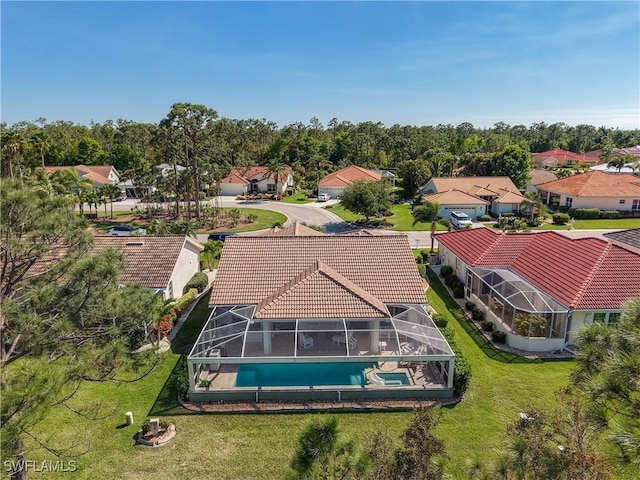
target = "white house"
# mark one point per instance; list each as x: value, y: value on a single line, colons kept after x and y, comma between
x: 163, y: 263
x: 335, y: 183
x: 540, y: 288
x: 474, y: 196
x: 255, y: 179
x: 98, y: 174
x: 593, y: 189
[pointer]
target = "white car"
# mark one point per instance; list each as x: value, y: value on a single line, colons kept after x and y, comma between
x: 323, y: 197
x: 126, y: 230
x: 460, y: 220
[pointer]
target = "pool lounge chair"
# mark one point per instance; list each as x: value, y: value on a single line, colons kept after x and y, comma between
x: 305, y: 341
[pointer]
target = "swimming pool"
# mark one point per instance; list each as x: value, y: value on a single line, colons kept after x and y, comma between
x: 394, y: 378
x: 301, y: 374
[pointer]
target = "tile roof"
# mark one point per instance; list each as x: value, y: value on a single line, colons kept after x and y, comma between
x: 595, y: 184
x: 629, y: 237
x: 587, y: 273
x: 296, y: 229
x: 454, y: 197
x: 559, y: 154
x: 316, y: 276
x: 539, y: 175
x: 96, y: 173
x: 348, y: 175
x: 479, y: 186
x: 242, y: 175
x: 148, y: 259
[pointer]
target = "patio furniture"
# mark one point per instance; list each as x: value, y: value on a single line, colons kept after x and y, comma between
x: 305, y: 341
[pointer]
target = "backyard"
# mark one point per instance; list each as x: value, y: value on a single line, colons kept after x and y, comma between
x: 258, y: 446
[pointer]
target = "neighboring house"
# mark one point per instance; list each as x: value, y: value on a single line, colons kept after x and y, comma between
x: 474, y: 196
x: 605, y: 168
x: 99, y: 174
x: 541, y: 288
x: 136, y: 190
x: 163, y: 263
x: 627, y: 238
x: 539, y: 176
x: 335, y: 183
x: 295, y: 229
x: 387, y: 175
x: 562, y: 158
x: 319, y: 317
x: 593, y: 190
x: 252, y: 180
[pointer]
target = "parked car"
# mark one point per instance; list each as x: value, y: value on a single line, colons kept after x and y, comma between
x: 323, y: 197
x: 460, y: 220
x: 220, y: 236
x: 126, y: 230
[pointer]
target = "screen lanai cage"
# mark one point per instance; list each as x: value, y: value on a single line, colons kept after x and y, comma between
x: 238, y: 356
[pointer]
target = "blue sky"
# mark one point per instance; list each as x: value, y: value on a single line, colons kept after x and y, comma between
x: 420, y: 63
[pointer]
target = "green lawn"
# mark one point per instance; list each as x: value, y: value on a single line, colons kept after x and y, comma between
x: 299, y: 198
x: 266, y: 219
x: 259, y: 446
x: 401, y: 219
x: 601, y: 224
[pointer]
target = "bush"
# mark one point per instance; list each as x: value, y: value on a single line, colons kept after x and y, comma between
x: 419, y: 259
x: 168, y: 318
x: 445, y: 270
x: 164, y: 328
x: 610, y: 214
x: 584, y: 213
x: 461, y: 367
x: 451, y: 280
x: 184, y: 301
x: 498, y: 336
x: 458, y: 291
x: 477, y: 315
x: 469, y: 305
x: 425, y: 256
x: 440, y: 321
x: 484, y: 218
x: 508, y: 215
x: 199, y: 281
x: 487, y: 325
x: 560, y: 218
x: 422, y: 270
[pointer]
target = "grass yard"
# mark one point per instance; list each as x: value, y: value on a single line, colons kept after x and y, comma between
x: 401, y: 219
x: 600, y: 224
x: 266, y: 219
x: 299, y: 198
x: 260, y: 446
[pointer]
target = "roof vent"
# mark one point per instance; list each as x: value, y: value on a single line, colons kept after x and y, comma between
x: 134, y: 243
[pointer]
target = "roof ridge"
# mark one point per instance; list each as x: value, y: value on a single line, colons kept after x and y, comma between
x: 592, y: 273
x: 307, y: 272
x: 593, y: 174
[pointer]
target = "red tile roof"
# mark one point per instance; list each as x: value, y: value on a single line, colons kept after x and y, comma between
x: 243, y: 175
x: 296, y: 229
x: 317, y: 276
x: 348, y: 175
x: 559, y: 154
x: 454, y: 197
x: 595, y: 184
x: 584, y: 274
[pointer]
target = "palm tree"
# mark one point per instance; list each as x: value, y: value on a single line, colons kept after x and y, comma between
x: 112, y: 192
x: 40, y: 141
x: 68, y: 181
x: 12, y: 146
x: 427, y: 212
x: 532, y: 204
x: 275, y: 170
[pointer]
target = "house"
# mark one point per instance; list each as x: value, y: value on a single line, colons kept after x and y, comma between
x: 99, y: 174
x: 562, y: 158
x: 540, y: 288
x: 163, y: 263
x: 300, y: 317
x: 538, y: 176
x: 295, y: 229
x: 243, y: 180
x: 474, y: 196
x: 335, y: 183
x: 593, y: 189
x: 628, y: 168
x: 387, y: 175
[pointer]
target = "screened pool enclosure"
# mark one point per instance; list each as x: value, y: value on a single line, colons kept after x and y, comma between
x: 407, y: 342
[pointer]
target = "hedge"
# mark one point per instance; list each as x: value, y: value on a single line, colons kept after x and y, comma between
x: 184, y: 301
x: 199, y: 281
x: 484, y: 218
x: 461, y: 367
x: 440, y: 320
x: 422, y: 269
x: 584, y: 213
x: 560, y: 218
x: 445, y: 270
x: 498, y: 336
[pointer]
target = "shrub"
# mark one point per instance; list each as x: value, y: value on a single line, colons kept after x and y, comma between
x: 419, y: 259
x: 425, y: 256
x: 560, y: 218
x: 610, y: 214
x: 199, y: 281
x: 484, y: 218
x: 422, y: 270
x: 204, y: 383
x: 458, y: 291
x: 498, y: 336
x: 440, y: 321
x: 508, y: 215
x: 477, y: 315
x: 168, y: 318
x: 461, y: 367
x: 164, y: 328
x: 469, y: 305
x: 451, y: 280
x: 183, y: 302
x: 487, y: 325
x: 584, y: 213
x: 445, y: 270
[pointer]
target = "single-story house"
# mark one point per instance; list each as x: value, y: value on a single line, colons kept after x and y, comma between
x: 294, y: 229
x: 322, y: 317
x: 562, y: 158
x: 387, y: 175
x: 482, y: 195
x: 606, y: 168
x: 593, y: 189
x: 98, y: 174
x: 163, y: 263
x: 538, y: 176
x: 540, y: 288
x: 256, y: 179
x: 335, y: 183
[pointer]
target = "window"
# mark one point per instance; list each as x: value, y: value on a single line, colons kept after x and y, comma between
x: 599, y: 317
x: 569, y: 202
x: 635, y: 205
x: 614, y: 317
x: 271, y: 187
x: 623, y: 201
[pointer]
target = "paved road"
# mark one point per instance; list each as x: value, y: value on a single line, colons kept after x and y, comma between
x: 313, y: 213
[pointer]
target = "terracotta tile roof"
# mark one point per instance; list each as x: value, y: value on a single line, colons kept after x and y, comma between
x: 507, y: 196
x: 348, y: 175
x: 478, y: 186
x: 595, y: 184
x: 454, y: 197
x: 243, y: 175
x: 587, y: 273
x: 149, y: 259
x: 629, y: 237
x: 539, y: 176
x: 302, y: 275
x: 102, y: 170
x: 95, y: 173
x: 296, y: 229
x: 340, y: 297
x: 559, y: 154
